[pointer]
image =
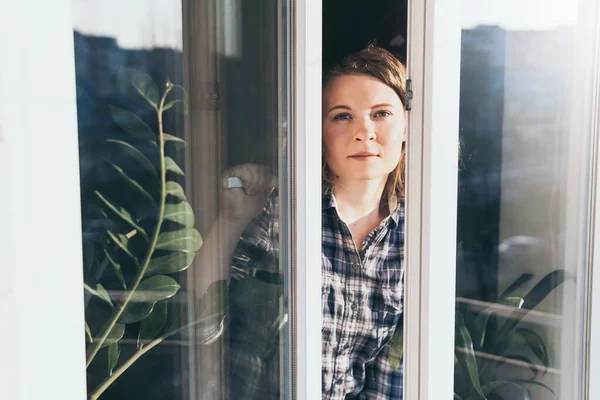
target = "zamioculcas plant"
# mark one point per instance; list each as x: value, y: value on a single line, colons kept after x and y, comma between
x: 149, y: 235
x: 484, y: 333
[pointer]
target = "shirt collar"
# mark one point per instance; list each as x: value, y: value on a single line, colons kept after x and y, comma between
x: 395, y: 212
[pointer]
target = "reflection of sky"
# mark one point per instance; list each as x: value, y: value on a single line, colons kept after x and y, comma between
x: 134, y: 23
x: 519, y: 14
x: 157, y: 23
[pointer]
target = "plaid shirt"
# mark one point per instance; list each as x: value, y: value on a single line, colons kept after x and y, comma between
x: 361, y: 297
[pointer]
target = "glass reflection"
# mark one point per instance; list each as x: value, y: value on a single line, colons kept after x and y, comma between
x: 161, y: 120
x: 522, y: 191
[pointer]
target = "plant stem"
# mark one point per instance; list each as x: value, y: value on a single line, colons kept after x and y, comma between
x: 119, y: 371
x: 95, y: 347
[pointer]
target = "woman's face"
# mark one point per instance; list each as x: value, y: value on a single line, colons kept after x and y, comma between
x: 363, y: 128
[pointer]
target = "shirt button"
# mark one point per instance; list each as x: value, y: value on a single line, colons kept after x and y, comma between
x: 355, y: 266
x: 353, y: 306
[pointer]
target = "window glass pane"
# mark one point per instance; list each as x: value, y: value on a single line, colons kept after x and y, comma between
x: 182, y: 114
x: 523, y: 197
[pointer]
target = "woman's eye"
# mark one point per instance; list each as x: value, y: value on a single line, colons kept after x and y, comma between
x: 342, y: 116
x: 383, y: 114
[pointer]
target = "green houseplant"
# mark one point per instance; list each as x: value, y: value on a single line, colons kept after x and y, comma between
x: 149, y: 237
x: 486, y: 332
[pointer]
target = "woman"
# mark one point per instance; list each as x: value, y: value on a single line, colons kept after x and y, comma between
x: 364, y: 132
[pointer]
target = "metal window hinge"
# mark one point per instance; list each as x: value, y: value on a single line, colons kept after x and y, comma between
x: 408, y: 95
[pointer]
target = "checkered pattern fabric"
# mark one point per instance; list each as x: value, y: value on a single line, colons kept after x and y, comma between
x: 361, y: 297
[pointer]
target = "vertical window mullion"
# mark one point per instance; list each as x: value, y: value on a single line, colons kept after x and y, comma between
x: 306, y: 189
x: 592, y: 316
x: 434, y: 67
x: 41, y: 289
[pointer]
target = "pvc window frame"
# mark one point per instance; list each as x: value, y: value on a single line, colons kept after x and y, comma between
x: 41, y: 274
x: 433, y: 58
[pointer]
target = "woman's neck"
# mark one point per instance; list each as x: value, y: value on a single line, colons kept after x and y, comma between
x: 360, y: 201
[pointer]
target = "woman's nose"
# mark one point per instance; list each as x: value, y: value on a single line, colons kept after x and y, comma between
x: 365, y: 131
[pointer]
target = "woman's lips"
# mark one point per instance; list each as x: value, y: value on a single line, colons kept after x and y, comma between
x: 363, y: 155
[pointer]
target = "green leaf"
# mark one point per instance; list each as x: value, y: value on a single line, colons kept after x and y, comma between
x: 123, y: 214
x: 132, y: 124
x: 100, y: 293
x: 531, y: 300
x: 465, y: 342
x: 88, y: 333
x: 123, y: 243
x: 116, y: 333
x: 172, y: 166
x: 515, y: 302
x: 532, y: 366
x: 117, y: 268
x: 181, y: 213
x: 135, y: 312
x: 177, y: 142
x: 153, y: 324
x: 536, y: 383
x: 113, y: 356
x: 490, y: 387
x: 132, y: 183
x: 169, y: 264
x: 172, y: 103
x: 141, y: 82
x: 543, y: 288
x: 397, y: 347
x: 522, y: 280
x: 148, y: 292
x: 156, y: 288
x: 174, y: 189
x: 482, y: 319
x: 482, y: 324
x: 137, y: 155
x: 535, y: 343
x: 88, y: 256
x: 187, y: 239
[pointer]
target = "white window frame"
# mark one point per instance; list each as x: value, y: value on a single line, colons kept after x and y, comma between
x: 41, y: 273
x: 592, y: 340
x: 306, y: 184
x: 434, y: 34
x: 26, y: 144
x: 44, y: 349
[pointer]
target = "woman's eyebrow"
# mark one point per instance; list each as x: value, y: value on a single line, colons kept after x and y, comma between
x: 340, y: 106
x: 382, y: 105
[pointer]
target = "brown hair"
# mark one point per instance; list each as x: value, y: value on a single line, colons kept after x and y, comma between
x: 380, y: 64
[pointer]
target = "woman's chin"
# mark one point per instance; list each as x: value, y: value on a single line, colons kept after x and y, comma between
x: 362, y: 176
